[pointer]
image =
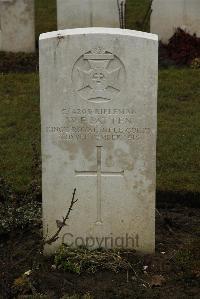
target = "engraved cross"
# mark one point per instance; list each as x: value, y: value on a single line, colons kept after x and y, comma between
x: 99, y: 174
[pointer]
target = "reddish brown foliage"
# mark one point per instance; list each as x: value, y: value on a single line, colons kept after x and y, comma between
x: 182, y: 48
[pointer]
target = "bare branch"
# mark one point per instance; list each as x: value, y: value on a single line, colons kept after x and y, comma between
x: 61, y: 224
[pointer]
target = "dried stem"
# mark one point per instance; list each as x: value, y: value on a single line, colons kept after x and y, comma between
x: 61, y: 224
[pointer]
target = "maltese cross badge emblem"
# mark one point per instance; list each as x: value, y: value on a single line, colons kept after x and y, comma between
x: 98, y: 76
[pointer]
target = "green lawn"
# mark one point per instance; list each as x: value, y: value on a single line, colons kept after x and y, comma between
x: 178, y: 151
x: 19, y: 127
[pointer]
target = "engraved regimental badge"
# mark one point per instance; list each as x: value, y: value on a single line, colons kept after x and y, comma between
x: 98, y: 76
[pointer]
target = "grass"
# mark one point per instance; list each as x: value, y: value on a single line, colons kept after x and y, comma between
x: 178, y: 149
x: 19, y: 127
x: 83, y: 260
x: 178, y: 164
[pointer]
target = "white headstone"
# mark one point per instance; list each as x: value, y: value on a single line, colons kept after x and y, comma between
x: 98, y: 113
x: 168, y: 15
x: 90, y: 13
x: 17, y: 29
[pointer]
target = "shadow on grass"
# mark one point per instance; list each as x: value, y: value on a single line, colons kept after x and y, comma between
x: 169, y: 198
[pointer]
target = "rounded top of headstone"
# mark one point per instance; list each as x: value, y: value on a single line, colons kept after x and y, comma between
x: 99, y: 30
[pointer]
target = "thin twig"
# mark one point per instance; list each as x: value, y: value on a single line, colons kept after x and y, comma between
x: 55, y: 237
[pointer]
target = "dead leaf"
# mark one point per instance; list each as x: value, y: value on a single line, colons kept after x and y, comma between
x: 196, y: 273
x: 157, y: 281
x: 21, y: 284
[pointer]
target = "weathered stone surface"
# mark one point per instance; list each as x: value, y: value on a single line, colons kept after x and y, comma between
x: 17, y: 29
x: 98, y: 112
x: 90, y: 13
x: 168, y: 15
